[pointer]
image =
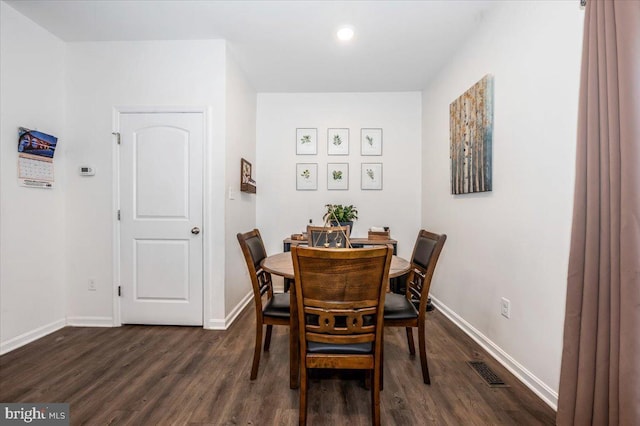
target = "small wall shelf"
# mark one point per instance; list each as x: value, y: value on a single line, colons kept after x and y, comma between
x: 247, y: 187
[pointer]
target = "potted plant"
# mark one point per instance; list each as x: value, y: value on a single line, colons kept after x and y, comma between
x: 338, y: 214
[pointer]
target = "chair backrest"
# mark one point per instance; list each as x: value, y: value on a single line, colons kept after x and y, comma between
x: 425, y: 256
x: 254, y: 252
x: 340, y: 294
x: 329, y: 236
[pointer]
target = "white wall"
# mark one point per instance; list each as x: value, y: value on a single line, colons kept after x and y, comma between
x: 282, y: 210
x: 512, y: 242
x: 32, y: 235
x: 102, y: 76
x: 241, y: 207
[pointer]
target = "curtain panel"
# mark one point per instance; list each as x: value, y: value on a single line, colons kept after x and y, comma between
x: 600, y: 374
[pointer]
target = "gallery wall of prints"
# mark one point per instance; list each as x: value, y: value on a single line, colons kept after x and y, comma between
x: 35, y: 158
x: 337, y: 144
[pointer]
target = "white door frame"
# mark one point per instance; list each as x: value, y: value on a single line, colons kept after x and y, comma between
x: 207, y: 222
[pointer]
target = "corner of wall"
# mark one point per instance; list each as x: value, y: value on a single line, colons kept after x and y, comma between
x: 240, y: 207
x: 32, y: 245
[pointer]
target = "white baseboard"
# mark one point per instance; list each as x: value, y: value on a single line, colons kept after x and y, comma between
x: 90, y: 321
x: 218, y: 324
x: 548, y: 395
x: 30, y: 336
x: 16, y: 342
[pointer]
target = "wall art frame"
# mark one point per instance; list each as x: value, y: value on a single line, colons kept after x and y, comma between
x: 306, y: 141
x: 247, y: 184
x: 337, y: 176
x: 306, y: 176
x: 371, y: 176
x: 371, y: 141
x: 338, y: 141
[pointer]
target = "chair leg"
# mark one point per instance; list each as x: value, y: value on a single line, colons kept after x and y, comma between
x: 381, y: 366
x: 368, y: 377
x: 256, y: 351
x: 412, y: 348
x: 375, y: 396
x: 303, y: 394
x: 422, y: 344
x: 267, y: 338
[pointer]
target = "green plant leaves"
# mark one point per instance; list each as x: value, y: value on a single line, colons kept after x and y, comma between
x: 341, y: 212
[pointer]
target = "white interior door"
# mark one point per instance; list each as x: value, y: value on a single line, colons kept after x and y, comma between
x: 161, y: 218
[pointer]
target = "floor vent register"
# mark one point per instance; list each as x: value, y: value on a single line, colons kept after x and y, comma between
x: 487, y: 374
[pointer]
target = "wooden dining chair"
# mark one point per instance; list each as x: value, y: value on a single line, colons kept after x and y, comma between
x: 328, y: 236
x: 271, y: 308
x: 409, y: 310
x: 339, y: 299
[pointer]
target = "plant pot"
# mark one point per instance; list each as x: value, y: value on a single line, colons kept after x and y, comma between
x: 334, y: 223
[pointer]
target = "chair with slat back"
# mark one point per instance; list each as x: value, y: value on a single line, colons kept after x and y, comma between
x: 329, y: 236
x: 271, y: 308
x: 340, y: 298
x: 400, y: 310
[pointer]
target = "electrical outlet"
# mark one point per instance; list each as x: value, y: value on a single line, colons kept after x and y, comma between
x: 505, y: 308
x: 92, y: 284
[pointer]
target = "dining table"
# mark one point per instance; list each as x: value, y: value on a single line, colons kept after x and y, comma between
x: 281, y: 264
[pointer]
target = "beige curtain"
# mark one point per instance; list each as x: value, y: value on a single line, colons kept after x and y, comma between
x: 600, y: 376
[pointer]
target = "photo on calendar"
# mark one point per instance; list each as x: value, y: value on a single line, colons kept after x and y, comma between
x: 36, y: 143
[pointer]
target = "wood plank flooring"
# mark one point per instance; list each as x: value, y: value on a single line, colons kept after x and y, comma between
x: 140, y: 375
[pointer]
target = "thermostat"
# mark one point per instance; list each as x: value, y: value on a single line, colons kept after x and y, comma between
x: 87, y: 171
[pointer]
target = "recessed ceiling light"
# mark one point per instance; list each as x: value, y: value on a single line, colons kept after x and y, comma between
x: 345, y: 33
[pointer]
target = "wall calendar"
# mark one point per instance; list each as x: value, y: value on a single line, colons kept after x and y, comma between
x: 35, y: 158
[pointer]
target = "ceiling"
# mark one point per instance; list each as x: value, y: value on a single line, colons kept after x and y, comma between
x: 286, y: 46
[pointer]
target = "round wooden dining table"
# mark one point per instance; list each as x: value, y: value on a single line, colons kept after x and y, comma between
x: 282, y: 264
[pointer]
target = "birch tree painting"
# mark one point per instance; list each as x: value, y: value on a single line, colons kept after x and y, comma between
x: 471, y: 134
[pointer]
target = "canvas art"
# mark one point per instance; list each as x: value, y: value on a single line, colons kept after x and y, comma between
x: 471, y: 134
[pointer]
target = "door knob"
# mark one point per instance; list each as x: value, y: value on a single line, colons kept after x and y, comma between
x: 195, y: 230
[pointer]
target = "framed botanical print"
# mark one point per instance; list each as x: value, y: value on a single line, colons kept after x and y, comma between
x: 371, y: 141
x: 371, y: 176
x: 337, y: 176
x: 306, y: 141
x: 338, y: 141
x: 307, y: 176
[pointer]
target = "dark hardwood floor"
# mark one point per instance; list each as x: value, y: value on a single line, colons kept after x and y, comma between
x: 143, y: 375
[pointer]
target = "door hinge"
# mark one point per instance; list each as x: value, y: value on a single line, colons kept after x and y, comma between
x: 118, y: 214
x: 117, y: 135
x: 119, y: 291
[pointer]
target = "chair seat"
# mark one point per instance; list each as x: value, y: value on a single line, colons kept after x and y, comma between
x: 277, y: 307
x: 397, y: 307
x: 333, y: 348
